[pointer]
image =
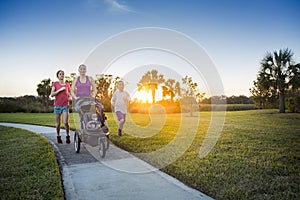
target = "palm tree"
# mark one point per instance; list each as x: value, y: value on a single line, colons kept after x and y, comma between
x: 279, y: 73
x: 177, y: 89
x: 150, y: 81
x: 165, y: 91
x: 294, y: 77
x: 69, y: 79
x: 44, y: 90
x: 171, y: 88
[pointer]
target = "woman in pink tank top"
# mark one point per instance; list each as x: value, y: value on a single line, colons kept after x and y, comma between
x: 83, y: 85
x: 61, y: 91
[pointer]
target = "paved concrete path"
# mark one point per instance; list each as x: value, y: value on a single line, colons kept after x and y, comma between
x: 119, y: 175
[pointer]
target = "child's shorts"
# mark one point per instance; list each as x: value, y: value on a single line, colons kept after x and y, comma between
x: 120, y: 115
x: 60, y: 109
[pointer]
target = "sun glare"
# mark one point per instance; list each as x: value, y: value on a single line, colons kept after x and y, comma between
x: 143, y: 96
x: 146, y: 97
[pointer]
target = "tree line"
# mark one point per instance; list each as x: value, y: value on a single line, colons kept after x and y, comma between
x: 174, y: 94
x: 277, y: 86
x: 26, y: 104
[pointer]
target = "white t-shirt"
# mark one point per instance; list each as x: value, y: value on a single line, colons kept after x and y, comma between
x: 120, y: 101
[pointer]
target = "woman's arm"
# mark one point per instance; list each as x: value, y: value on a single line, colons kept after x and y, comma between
x: 68, y: 91
x: 54, y: 93
x: 93, y: 89
x: 73, y: 88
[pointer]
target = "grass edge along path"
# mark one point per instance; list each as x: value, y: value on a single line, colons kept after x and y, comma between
x: 29, y: 168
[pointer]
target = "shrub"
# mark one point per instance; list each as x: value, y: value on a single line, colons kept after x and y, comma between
x: 293, y: 104
x: 8, y: 105
x: 27, y: 104
x: 227, y: 107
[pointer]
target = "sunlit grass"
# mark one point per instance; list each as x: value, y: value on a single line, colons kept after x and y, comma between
x: 29, y: 169
x: 256, y: 157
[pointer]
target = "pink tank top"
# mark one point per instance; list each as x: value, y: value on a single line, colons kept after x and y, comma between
x: 83, y: 89
x: 62, y: 98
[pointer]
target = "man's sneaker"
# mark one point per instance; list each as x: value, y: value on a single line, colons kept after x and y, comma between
x: 68, y: 139
x: 59, y: 139
x: 120, y: 132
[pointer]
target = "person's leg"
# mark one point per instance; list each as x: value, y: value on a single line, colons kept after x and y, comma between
x: 58, y: 118
x: 66, y: 123
x: 121, y: 121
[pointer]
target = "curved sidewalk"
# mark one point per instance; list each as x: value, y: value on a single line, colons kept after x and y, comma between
x: 119, y: 175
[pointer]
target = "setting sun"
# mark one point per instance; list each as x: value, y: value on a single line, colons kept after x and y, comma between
x: 146, y: 97
x: 142, y: 96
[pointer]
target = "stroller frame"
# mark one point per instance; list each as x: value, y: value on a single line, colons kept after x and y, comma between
x: 91, y: 136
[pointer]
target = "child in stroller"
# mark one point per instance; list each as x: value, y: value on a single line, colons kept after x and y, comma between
x: 94, y: 122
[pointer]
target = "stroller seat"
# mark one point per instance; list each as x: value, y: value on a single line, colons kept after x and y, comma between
x: 90, y: 123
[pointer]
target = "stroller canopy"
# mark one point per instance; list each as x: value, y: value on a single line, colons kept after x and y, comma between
x: 87, y: 104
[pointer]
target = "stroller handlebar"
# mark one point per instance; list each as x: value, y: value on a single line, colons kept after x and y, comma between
x: 84, y: 101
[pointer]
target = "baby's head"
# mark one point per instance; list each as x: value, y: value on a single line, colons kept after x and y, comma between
x: 94, y: 116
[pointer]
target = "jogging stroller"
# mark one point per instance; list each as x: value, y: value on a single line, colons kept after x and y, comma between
x: 93, y: 126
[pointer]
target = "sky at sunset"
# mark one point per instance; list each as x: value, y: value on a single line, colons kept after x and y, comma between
x: 39, y: 37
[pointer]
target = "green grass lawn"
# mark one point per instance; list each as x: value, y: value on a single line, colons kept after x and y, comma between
x: 29, y: 169
x: 256, y: 157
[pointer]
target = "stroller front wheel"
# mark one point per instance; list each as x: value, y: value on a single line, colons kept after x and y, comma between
x: 77, y: 142
x: 102, y: 148
x: 107, y: 142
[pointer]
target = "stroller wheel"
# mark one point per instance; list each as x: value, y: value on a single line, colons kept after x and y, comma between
x: 77, y: 142
x: 107, y: 142
x: 102, y: 148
